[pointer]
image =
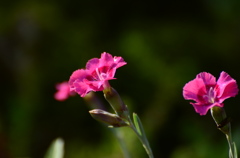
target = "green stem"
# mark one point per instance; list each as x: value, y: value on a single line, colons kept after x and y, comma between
x: 223, y: 124
x: 232, y: 147
x: 142, y: 138
x: 118, y: 135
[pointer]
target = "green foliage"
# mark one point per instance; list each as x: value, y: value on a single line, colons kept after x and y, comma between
x: 56, y: 150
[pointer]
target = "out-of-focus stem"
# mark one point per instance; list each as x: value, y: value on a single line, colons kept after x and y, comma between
x: 229, y: 139
x: 142, y: 138
x: 118, y: 135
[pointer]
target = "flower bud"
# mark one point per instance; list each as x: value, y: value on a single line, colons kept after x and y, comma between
x: 111, y: 119
x: 116, y: 102
x: 221, y: 119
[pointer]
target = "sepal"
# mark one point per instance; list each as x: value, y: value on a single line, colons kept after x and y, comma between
x: 221, y: 119
x: 114, y: 99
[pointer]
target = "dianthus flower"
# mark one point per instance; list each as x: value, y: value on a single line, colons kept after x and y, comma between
x: 207, y: 93
x: 63, y: 91
x: 96, y: 75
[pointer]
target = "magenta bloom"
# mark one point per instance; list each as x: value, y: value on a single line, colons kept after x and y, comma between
x: 207, y: 93
x: 96, y: 75
x: 63, y: 91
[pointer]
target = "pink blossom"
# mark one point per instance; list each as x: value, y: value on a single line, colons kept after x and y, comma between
x: 96, y: 75
x: 207, y: 93
x: 63, y: 91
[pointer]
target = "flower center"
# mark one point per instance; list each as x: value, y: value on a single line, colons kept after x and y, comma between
x: 101, y: 75
x: 210, y: 97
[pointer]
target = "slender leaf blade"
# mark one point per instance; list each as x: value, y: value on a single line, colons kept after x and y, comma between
x: 235, y: 150
x: 138, y: 124
x: 56, y: 149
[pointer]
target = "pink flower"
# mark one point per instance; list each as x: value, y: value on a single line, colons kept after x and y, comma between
x: 63, y: 91
x: 96, y: 75
x: 207, y: 93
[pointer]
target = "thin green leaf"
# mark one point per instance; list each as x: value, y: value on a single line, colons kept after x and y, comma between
x: 56, y: 149
x: 138, y: 124
x: 235, y: 150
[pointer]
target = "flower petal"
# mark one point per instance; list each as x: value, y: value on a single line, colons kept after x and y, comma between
x: 63, y: 91
x: 119, y: 61
x: 113, y: 62
x: 77, y: 82
x: 92, y: 64
x: 106, y: 59
x: 82, y: 88
x: 207, y: 78
x: 195, y: 90
x: 226, y: 87
x: 95, y: 85
x: 77, y: 75
x: 203, y: 109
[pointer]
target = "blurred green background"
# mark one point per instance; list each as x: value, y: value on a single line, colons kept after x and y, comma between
x: 165, y: 43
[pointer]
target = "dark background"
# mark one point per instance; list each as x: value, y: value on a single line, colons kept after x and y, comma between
x: 165, y: 43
